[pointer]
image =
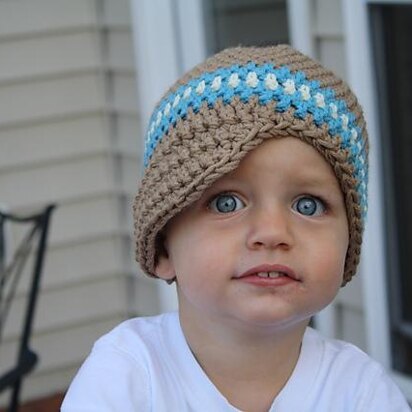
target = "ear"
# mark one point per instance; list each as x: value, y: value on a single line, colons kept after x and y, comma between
x: 164, y: 268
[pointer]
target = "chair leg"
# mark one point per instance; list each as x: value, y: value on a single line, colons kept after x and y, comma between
x: 14, y: 401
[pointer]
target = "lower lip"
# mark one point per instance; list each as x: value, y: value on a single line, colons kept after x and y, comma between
x: 267, y: 282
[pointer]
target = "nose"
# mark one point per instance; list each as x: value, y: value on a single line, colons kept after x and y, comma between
x: 270, y: 228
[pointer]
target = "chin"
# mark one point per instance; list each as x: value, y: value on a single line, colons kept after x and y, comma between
x: 274, y: 321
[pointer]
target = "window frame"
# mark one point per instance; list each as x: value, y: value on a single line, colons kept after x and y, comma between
x: 163, y: 52
x: 374, y: 259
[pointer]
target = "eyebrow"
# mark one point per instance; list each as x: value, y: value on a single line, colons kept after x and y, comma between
x: 308, y: 180
x: 308, y: 185
x: 315, y: 180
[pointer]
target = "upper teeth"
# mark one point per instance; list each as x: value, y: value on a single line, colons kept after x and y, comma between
x: 270, y: 274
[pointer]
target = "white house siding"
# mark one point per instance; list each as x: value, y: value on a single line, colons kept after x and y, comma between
x: 69, y: 134
x: 329, y: 40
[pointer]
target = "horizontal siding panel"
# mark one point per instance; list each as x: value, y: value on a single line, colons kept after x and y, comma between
x: 128, y: 134
x: 76, y: 350
x: 130, y: 174
x: 127, y: 207
x: 66, y: 350
x: 70, y: 128
x: 66, y: 307
x: 101, y: 263
x: 45, y: 141
x: 144, y: 295
x: 120, y: 49
x: 116, y: 13
x: 8, y: 355
x: 128, y: 200
x: 89, y: 260
x: 89, y: 218
x: 47, y: 98
x: 39, y: 56
x: 39, y: 386
x: 85, y: 177
x: 20, y: 17
x: 124, y: 92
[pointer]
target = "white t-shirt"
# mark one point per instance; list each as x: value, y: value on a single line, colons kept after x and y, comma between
x: 145, y: 364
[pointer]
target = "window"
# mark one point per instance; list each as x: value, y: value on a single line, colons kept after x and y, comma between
x: 231, y: 23
x: 391, y: 28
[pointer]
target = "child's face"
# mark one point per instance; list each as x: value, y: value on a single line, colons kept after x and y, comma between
x: 281, y: 210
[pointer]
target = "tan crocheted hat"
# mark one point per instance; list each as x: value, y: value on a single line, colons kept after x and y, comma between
x: 225, y: 107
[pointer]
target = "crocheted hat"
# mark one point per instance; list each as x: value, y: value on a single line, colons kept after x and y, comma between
x: 225, y: 107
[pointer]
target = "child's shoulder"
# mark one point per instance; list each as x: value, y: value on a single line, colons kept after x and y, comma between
x: 339, y: 353
x: 334, y: 347
x: 132, y: 335
x: 118, y: 371
x: 335, y: 375
x: 339, y: 373
x: 141, y: 326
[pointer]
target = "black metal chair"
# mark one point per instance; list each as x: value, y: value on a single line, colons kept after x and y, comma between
x: 10, y: 275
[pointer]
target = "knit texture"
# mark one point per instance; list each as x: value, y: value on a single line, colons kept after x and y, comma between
x: 225, y: 107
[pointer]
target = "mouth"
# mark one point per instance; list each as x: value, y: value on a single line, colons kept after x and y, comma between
x: 271, y: 275
x: 269, y: 272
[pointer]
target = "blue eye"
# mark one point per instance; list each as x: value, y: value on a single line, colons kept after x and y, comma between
x: 309, y: 206
x: 226, y: 203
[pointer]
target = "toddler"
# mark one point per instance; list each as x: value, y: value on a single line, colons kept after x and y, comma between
x: 253, y: 201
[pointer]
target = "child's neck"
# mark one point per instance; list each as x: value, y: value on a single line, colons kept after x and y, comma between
x: 249, y: 369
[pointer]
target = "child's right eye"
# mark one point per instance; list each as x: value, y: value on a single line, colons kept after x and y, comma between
x: 226, y: 203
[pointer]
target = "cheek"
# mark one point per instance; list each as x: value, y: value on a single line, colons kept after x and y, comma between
x: 343, y: 243
x: 329, y: 259
x: 328, y: 276
x: 338, y: 246
x: 333, y: 259
x: 193, y: 251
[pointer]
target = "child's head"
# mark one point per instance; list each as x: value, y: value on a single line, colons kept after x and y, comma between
x: 229, y: 106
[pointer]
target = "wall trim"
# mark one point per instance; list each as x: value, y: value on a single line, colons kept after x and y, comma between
x: 300, y: 25
x: 167, y: 43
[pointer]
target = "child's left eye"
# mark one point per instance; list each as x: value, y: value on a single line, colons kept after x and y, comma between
x: 309, y: 206
x: 226, y: 203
